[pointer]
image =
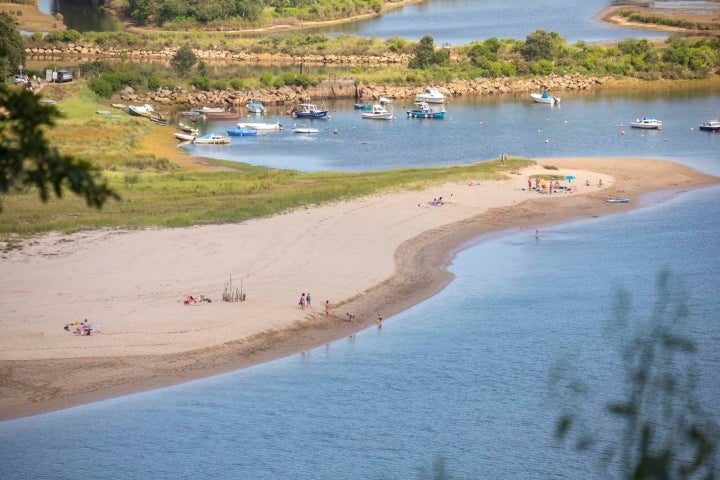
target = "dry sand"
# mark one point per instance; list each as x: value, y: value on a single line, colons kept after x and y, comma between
x: 379, y: 254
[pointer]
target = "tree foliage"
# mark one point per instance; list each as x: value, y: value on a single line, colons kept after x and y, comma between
x: 184, y: 60
x: 425, y: 54
x: 12, y: 49
x: 664, y: 433
x: 27, y: 160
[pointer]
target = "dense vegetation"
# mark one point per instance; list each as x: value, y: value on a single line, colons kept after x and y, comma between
x: 12, y: 49
x: 239, y: 13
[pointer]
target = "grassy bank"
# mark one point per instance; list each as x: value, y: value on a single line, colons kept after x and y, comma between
x: 238, y: 192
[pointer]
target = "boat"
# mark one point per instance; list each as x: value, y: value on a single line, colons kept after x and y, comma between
x: 363, y: 106
x: 221, y: 115
x: 307, y: 130
x: 211, y: 139
x: 255, y: 106
x: 617, y: 200
x: 48, y: 101
x: 545, y: 98
x: 186, y: 137
x: 378, y: 112
x: 650, y: 123
x: 710, y: 126
x: 187, y: 128
x: 423, y: 110
x: 430, y: 95
x: 141, y: 110
x: 261, y: 125
x: 308, y: 110
x: 193, y: 116
x: 103, y: 112
x: 242, y: 132
x: 159, y: 120
x: 121, y: 106
x: 204, y: 110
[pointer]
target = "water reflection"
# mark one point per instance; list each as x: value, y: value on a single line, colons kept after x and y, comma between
x: 81, y: 16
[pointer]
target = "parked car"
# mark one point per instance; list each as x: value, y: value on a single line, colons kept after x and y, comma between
x: 19, y: 80
x: 63, y: 76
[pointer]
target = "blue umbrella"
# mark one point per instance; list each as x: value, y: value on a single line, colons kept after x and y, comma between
x: 569, y: 177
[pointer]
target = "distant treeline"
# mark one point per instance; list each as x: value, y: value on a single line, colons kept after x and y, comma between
x: 655, y: 19
x: 239, y: 12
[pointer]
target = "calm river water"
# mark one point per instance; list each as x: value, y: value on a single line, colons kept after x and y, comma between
x: 448, y: 21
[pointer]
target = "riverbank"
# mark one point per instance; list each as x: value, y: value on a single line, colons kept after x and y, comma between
x: 379, y: 254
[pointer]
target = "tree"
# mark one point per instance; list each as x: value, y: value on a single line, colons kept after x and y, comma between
x: 27, y: 160
x: 184, y: 60
x: 665, y: 433
x: 541, y: 45
x: 424, y: 53
x: 12, y: 50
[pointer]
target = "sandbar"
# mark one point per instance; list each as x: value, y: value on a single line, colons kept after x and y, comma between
x: 375, y: 255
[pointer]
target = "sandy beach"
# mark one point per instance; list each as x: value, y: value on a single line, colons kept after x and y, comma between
x: 376, y: 255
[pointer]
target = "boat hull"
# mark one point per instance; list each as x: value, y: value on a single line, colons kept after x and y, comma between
x: 437, y: 115
x: 544, y: 98
x: 711, y: 126
x: 261, y: 126
x: 221, y: 116
x: 242, y: 132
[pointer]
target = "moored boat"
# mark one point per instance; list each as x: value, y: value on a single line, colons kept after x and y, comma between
x: 710, y: 126
x: 242, y: 132
x: 430, y: 95
x: 211, y: 139
x: 141, y: 110
x: 307, y: 130
x: 221, y: 115
x: 617, y: 200
x: 545, y: 98
x: 648, y: 123
x: 308, y: 110
x: 363, y: 106
x: 159, y: 120
x: 255, y: 106
x: 378, y: 112
x: 261, y: 125
x: 203, y: 110
x: 187, y: 128
x: 185, y: 137
x: 423, y: 110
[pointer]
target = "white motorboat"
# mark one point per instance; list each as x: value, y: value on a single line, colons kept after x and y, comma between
x: 211, y: 139
x: 545, y: 98
x: 306, y: 130
x: 261, y: 125
x: 710, y: 126
x: 142, y: 110
x: 378, y: 112
x: 649, y: 123
x: 255, y: 106
x: 185, y: 137
x: 430, y: 95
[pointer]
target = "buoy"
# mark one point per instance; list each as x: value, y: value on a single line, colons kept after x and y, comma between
x: 547, y: 141
x: 335, y: 131
x: 622, y: 132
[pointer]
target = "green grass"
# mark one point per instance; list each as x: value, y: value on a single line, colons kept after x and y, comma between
x: 181, y: 199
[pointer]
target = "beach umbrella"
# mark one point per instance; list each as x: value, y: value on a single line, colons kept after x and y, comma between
x: 569, y: 178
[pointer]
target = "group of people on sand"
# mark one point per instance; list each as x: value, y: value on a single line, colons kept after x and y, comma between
x: 437, y: 202
x: 548, y: 186
x: 82, y: 328
x: 305, y: 301
x: 191, y: 300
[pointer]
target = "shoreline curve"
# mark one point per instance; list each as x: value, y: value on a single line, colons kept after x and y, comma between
x: 43, y: 368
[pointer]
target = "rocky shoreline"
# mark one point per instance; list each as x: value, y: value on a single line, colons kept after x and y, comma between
x: 348, y: 88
